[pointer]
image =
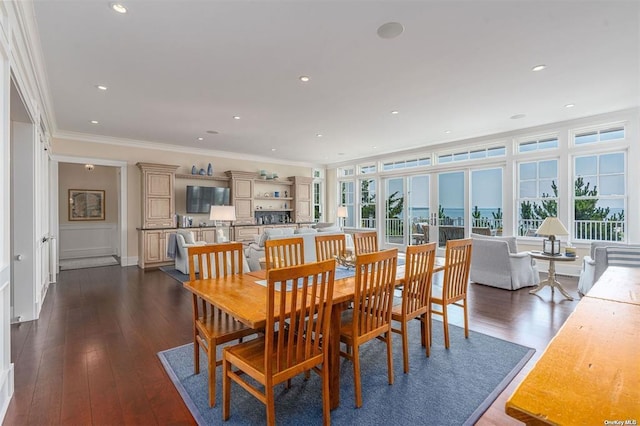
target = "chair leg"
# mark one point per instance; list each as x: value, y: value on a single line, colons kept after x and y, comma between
x: 226, y: 389
x: 389, y: 358
x: 271, y: 406
x: 326, y: 408
x: 196, y: 352
x: 405, y: 345
x: 466, y: 319
x: 425, y: 327
x: 356, y: 375
x: 211, y: 366
x: 445, y: 324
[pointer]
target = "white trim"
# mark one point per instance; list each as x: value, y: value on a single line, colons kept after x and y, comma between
x: 158, y: 146
x: 123, y: 222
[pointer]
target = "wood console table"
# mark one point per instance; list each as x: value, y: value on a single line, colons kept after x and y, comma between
x: 589, y: 373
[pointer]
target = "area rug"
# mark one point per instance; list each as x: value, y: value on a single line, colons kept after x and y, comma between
x: 175, y: 274
x: 451, y: 387
x: 87, y: 262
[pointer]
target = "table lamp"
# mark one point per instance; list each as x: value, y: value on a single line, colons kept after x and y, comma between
x: 551, y: 227
x: 342, y: 213
x: 222, y: 214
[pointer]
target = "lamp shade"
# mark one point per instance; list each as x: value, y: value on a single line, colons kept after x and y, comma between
x: 342, y: 212
x: 222, y: 213
x: 552, y: 226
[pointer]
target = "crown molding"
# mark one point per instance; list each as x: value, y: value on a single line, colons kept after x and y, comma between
x: 133, y: 143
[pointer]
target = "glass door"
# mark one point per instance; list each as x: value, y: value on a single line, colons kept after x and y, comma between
x: 406, y: 210
x: 451, y: 211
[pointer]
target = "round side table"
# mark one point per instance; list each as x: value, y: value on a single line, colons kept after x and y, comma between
x: 551, y: 279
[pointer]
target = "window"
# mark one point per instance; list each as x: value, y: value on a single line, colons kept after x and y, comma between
x: 371, y: 168
x: 538, y: 144
x: 347, y: 198
x: 472, y: 154
x: 537, y: 194
x: 406, y: 164
x: 368, y: 203
x: 599, y: 135
x: 600, y: 195
x: 346, y: 171
x: 486, y: 200
x: 317, y: 201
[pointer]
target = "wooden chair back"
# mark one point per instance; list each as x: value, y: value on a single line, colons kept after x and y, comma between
x: 416, y: 294
x: 329, y: 246
x: 310, y: 297
x: 456, y: 270
x: 373, y: 298
x: 285, y: 252
x: 215, y: 260
x: 365, y: 242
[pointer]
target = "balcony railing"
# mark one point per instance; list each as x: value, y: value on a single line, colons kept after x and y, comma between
x: 609, y: 230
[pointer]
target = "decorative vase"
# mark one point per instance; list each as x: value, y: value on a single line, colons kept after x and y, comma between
x: 194, y: 171
x: 210, y: 170
x: 202, y: 172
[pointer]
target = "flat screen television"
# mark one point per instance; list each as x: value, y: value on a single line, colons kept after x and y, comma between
x: 201, y: 198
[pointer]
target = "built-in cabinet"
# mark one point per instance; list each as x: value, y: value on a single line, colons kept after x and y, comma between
x: 242, y: 195
x: 303, y: 194
x: 259, y: 203
x: 152, y: 248
x: 158, y: 201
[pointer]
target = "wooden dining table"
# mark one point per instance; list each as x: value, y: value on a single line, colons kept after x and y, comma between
x: 242, y: 297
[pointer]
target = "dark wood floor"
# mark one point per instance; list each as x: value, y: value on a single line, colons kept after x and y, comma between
x: 91, y: 357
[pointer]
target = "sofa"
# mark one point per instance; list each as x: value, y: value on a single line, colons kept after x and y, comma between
x: 601, y: 255
x: 255, y: 251
x: 496, y: 262
x: 184, y: 240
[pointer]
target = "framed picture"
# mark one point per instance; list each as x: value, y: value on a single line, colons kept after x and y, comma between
x: 86, y: 204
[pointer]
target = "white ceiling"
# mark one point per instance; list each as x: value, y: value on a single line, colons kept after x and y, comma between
x: 176, y: 69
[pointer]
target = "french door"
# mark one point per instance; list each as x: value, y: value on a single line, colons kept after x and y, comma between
x: 406, y: 207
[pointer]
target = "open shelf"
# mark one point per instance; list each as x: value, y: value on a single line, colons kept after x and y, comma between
x: 202, y: 177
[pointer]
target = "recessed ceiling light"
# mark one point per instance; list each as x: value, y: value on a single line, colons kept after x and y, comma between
x: 341, y: 153
x: 518, y: 116
x: 94, y: 122
x: 236, y: 117
x: 117, y: 7
x: 374, y: 147
x: 212, y: 132
x: 304, y: 78
x: 319, y: 135
x: 569, y: 105
x: 447, y: 131
x: 390, y: 30
x: 539, y: 67
x: 200, y: 138
x: 273, y: 149
x: 101, y: 87
x: 394, y: 112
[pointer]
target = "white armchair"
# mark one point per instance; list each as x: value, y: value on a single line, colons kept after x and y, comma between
x: 599, y: 259
x: 496, y: 262
x: 184, y: 240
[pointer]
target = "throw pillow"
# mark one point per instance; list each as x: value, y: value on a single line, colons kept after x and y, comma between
x: 623, y: 256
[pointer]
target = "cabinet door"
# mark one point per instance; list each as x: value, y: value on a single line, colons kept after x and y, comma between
x: 303, y: 211
x: 244, y: 210
x: 159, y: 184
x: 242, y: 188
x: 208, y: 235
x: 154, y: 246
x: 246, y: 233
x: 303, y: 191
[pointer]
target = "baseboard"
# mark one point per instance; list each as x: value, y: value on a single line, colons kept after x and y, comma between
x: 6, y: 390
x: 129, y: 261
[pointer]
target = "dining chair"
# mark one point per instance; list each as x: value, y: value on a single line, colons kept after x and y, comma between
x: 211, y: 326
x: 329, y: 246
x: 365, y: 242
x: 371, y: 314
x: 416, y: 294
x: 455, y: 282
x: 285, y: 352
x: 284, y: 252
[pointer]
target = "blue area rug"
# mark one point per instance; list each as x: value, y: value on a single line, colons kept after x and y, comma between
x: 177, y: 275
x: 452, y: 387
